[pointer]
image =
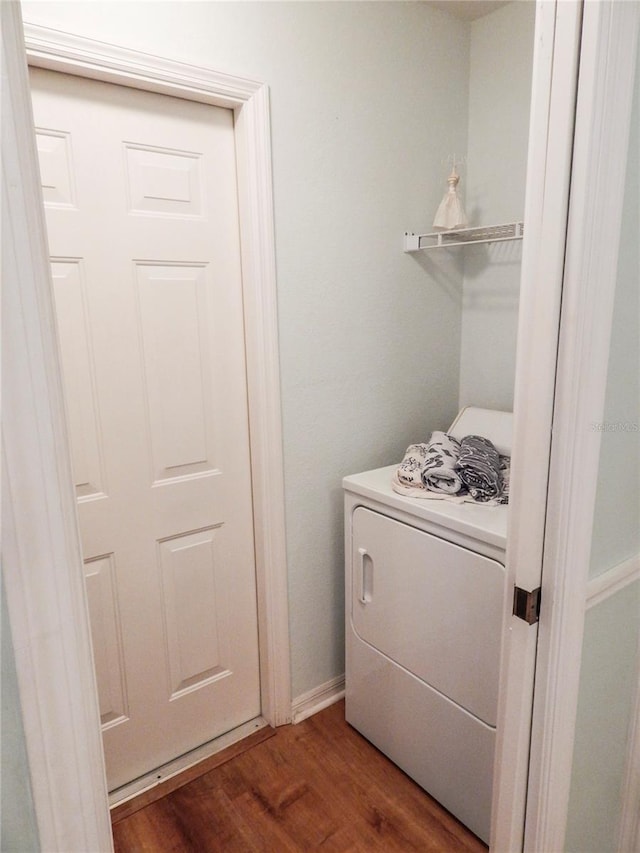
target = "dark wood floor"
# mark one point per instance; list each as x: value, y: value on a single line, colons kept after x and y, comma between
x: 318, y: 785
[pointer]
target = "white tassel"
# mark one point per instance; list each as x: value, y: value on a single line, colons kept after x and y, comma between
x: 451, y: 213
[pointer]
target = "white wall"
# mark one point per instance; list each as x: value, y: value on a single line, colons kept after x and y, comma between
x: 616, y: 534
x: 494, y: 190
x: 608, y: 687
x: 362, y: 117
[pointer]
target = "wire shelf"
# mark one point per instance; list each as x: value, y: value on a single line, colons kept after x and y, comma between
x: 463, y: 237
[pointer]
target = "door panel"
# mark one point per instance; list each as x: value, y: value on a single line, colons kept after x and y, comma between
x: 172, y: 309
x: 106, y: 636
x: 197, y: 644
x: 69, y: 287
x: 140, y: 198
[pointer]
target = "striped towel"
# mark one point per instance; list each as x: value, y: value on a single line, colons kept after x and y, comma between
x: 479, y: 467
x: 439, y: 470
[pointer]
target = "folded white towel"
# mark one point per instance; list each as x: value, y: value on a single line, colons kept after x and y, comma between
x: 409, y: 472
x: 425, y: 494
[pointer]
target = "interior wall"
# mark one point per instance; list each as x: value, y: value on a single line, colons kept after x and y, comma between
x: 369, y: 336
x: 616, y: 533
x: 608, y: 690
x: 494, y: 176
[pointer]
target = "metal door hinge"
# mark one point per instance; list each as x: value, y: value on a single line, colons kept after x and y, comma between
x: 526, y: 605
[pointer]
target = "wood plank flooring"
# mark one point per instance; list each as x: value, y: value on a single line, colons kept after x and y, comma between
x: 318, y: 785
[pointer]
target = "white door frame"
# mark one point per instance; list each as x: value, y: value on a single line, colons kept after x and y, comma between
x: 43, y: 565
x: 41, y: 557
x: 551, y: 128
x: 568, y: 284
x: 607, y: 66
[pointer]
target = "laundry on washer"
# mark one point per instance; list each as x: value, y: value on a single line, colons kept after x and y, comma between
x: 433, y: 470
x: 431, y: 465
x: 480, y: 469
x: 439, y: 470
x: 505, y: 470
x: 409, y: 471
x: 433, y: 461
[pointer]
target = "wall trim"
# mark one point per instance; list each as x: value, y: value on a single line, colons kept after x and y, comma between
x: 72, y: 54
x: 315, y: 700
x: 612, y: 581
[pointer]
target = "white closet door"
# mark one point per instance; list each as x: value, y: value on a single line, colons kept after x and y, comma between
x: 140, y: 197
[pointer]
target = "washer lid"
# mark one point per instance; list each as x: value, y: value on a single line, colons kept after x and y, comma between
x: 475, y: 521
x: 489, y: 423
x: 484, y: 523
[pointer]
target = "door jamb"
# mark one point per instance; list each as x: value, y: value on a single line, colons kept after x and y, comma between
x: 546, y: 208
x: 67, y: 804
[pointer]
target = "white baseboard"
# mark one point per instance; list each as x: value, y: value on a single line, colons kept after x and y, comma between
x: 315, y: 700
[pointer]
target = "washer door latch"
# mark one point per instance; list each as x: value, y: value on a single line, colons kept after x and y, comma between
x: 526, y: 605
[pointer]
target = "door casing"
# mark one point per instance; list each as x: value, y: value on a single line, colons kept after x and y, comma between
x: 248, y: 99
x: 577, y: 158
x: 42, y: 676
x: 194, y: 268
x: 551, y: 127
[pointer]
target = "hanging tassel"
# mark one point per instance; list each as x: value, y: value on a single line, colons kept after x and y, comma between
x: 451, y: 213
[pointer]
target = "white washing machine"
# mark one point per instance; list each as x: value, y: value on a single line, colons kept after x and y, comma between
x: 424, y: 603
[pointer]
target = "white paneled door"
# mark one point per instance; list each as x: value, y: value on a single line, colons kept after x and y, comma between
x: 141, y: 205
